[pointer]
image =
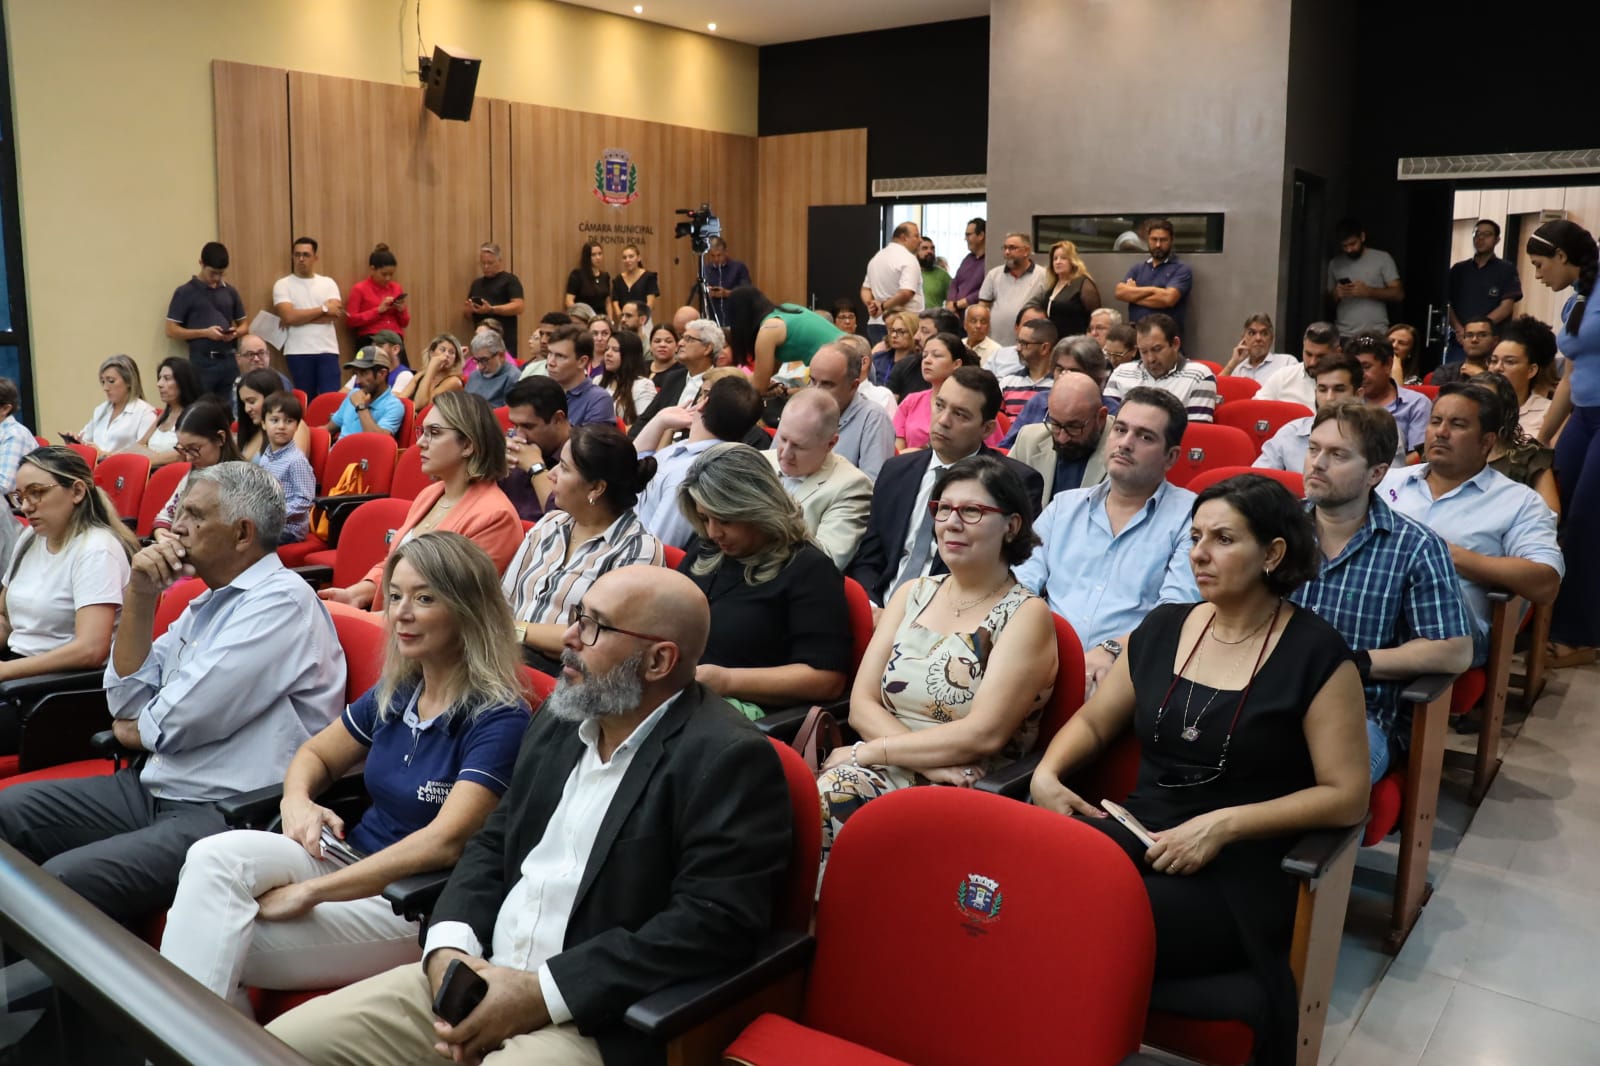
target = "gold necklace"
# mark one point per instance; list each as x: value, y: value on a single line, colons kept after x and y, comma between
x: 960, y: 608
x: 1212, y: 632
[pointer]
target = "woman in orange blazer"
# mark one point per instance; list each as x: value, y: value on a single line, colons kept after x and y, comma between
x: 463, y: 449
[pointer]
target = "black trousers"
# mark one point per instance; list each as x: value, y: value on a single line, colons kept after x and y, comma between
x: 107, y: 838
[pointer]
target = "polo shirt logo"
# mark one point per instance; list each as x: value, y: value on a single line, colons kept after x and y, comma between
x: 434, y: 792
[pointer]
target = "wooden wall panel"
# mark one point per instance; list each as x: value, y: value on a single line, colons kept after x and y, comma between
x: 734, y: 195
x: 795, y: 172
x: 371, y: 164
x: 554, y: 208
x: 252, y: 108
x: 500, y: 180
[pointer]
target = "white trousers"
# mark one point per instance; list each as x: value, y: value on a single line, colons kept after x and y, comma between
x: 213, y: 933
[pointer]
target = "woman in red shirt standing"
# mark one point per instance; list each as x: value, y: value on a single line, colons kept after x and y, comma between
x: 377, y: 302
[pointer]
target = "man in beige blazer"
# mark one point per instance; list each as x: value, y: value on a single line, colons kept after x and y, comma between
x: 1071, y: 440
x: 834, y: 496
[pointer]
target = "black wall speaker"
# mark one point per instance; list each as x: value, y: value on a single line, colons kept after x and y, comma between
x: 452, y: 80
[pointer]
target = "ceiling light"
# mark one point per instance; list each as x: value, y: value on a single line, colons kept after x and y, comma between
x: 712, y: 26
x: 638, y: 9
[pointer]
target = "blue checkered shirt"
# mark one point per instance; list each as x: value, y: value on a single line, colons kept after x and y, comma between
x: 15, y: 442
x: 293, y: 472
x: 1392, y: 583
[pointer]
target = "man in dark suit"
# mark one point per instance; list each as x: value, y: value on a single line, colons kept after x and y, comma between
x: 898, y: 545
x: 641, y: 844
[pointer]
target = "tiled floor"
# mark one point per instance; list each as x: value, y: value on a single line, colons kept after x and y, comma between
x: 1503, y: 969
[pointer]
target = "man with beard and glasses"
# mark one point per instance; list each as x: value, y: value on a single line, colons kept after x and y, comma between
x: 642, y: 841
x: 1362, y: 281
x: 1159, y: 283
x: 1069, y: 447
x: 1110, y: 554
x: 1386, y: 583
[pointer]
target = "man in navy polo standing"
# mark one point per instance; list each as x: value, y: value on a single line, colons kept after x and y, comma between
x: 1161, y: 282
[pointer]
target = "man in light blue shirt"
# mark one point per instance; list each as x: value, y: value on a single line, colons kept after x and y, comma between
x: 220, y: 702
x: 725, y: 412
x: 370, y: 407
x: 1111, y: 553
x: 1501, y: 534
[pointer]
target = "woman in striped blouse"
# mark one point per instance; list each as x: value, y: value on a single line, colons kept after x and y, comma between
x: 592, y: 530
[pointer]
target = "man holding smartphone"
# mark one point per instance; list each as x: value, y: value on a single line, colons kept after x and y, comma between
x: 496, y: 293
x: 207, y: 314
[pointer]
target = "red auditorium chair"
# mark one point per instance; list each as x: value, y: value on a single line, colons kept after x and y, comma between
x: 502, y: 415
x: 43, y: 442
x: 406, y: 435
x: 784, y: 724
x: 1043, y: 920
x: 375, y: 454
x: 319, y: 412
x: 300, y: 394
x: 321, y: 441
x: 88, y: 452
x: 1234, y: 389
x: 671, y: 556
x: 123, y: 477
x: 157, y: 491
x: 1215, y: 368
x: 409, y: 480
x: 1206, y: 446
x: 1290, y: 480
x: 1259, y: 419
x: 363, y: 544
x: 1430, y: 391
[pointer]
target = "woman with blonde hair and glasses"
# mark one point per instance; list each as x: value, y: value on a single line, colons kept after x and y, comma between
x: 125, y: 416
x: 443, y: 370
x: 1071, y: 295
x: 438, y: 735
x: 63, y: 583
x: 464, y: 452
x: 898, y: 345
x: 778, y: 636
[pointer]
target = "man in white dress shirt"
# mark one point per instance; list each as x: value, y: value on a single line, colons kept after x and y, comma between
x: 1298, y: 384
x: 894, y: 279
x: 640, y: 845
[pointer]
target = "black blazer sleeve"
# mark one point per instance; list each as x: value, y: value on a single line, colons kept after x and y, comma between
x: 730, y: 851
x: 487, y: 869
x: 873, y: 565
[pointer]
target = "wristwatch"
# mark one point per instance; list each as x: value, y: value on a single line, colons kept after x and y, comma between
x: 535, y: 470
x: 1111, y: 646
x: 522, y: 633
x: 358, y: 409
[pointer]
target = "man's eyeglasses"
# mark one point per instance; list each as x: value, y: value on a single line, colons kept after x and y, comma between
x: 29, y: 495
x: 590, y: 628
x: 971, y: 513
x: 1071, y: 428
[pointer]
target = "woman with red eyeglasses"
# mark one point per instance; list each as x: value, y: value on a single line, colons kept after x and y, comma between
x: 1251, y: 724
x: 961, y: 664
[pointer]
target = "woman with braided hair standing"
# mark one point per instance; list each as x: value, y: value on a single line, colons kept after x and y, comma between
x: 1563, y: 254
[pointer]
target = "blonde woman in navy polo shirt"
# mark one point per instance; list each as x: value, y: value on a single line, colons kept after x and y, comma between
x: 439, y: 733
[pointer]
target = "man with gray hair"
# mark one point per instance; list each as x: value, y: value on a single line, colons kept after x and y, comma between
x: 220, y: 702
x: 866, y: 435
x: 700, y: 341
x: 1101, y: 319
x: 496, y: 293
x: 495, y: 375
x: 833, y: 495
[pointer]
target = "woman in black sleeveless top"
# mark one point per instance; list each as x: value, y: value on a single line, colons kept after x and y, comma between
x: 1251, y: 723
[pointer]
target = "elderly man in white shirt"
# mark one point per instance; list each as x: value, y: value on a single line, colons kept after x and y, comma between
x: 894, y: 279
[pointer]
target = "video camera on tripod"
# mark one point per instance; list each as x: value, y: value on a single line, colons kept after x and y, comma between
x: 701, y: 227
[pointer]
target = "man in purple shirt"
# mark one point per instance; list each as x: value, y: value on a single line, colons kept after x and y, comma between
x: 1159, y: 283
x: 969, y: 276
x: 571, y: 351
x: 537, y: 408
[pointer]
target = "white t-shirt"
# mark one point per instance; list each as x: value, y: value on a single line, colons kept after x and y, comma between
x: 892, y: 269
x: 1290, y: 384
x: 108, y: 434
x: 45, y: 593
x: 1271, y: 362
x: 314, y: 338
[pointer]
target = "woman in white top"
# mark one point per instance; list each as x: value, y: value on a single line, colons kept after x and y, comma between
x: 125, y: 417
x: 179, y: 387
x: 63, y: 584
x: 626, y: 375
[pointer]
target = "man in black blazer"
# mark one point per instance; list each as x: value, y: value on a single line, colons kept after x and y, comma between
x: 963, y: 415
x: 642, y: 842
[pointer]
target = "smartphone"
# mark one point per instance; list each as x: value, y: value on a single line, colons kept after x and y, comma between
x: 70, y: 438
x: 337, y: 850
x: 402, y: 296
x: 1129, y: 822
x: 1344, y: 281
x: 459, y: 993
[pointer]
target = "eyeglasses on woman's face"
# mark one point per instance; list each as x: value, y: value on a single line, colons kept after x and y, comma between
x: 969, y: 513
x: 21, y: 499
